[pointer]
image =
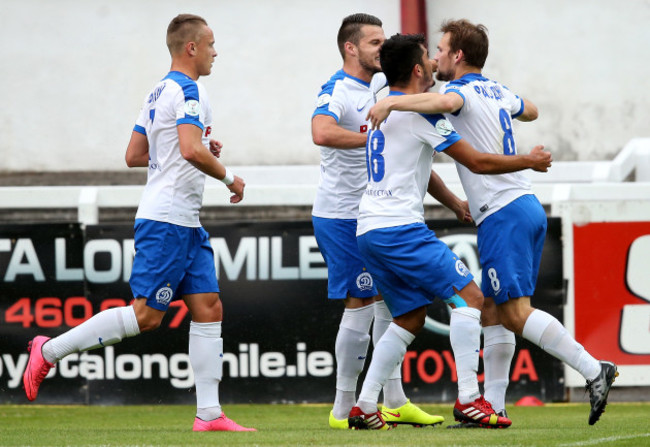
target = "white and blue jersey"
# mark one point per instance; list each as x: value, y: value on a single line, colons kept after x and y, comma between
x: 399, y: 158
x: 411, y: 265
x: 174, y: 190
x: 343, y: 171
x: 511, y: 221
x: 485, y: 121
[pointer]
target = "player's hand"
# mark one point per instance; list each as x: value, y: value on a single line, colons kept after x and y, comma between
x: 237, y: 189
x: 463, y: 214
x: 215, y: 148
x: 378, y: 113
x: 540, y: 159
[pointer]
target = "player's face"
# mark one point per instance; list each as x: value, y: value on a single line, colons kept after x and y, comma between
x: 444, y: 59
x: 205, y: 52
x: 369, y: 46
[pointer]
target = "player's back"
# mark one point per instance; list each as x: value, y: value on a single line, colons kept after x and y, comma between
x: 174, y: 189
x: 485, y: 121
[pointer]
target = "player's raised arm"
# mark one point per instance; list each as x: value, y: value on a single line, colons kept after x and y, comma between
x: 481, y: 163
x: 420, y: 103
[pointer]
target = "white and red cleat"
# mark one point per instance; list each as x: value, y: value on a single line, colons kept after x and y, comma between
x: 358, y: 420
x: 222, y: 423
x: 480, y: 412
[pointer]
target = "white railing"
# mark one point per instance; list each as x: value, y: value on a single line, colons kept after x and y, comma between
x: 296, y: 185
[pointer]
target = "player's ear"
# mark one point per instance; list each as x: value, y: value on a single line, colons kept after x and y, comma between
x: 190, y: 48
x: 417, y: 71
x: 350, y: 49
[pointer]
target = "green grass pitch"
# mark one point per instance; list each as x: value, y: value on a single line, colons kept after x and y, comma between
x: 623, y: 424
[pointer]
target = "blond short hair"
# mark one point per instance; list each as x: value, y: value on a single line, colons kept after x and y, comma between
x: 182, y: 29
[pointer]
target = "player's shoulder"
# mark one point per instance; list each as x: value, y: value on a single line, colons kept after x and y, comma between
x: 466, y: 81
x: 345, y: 82
x: 181, y: 79
x: 438, y: 121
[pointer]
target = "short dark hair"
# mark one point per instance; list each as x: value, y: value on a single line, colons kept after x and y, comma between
x: 182, y: 29
x: 472, y: 39
x: 398, y: 56
x: 350, y: 30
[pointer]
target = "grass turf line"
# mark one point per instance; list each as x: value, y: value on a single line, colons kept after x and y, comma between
x: 623, y: 424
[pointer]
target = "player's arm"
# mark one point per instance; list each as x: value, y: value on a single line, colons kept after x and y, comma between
x: 530, y: 112
x: 325, y: 131
x: 442, y: 194
x: 482, y: 163
x: 419, y: 103
x: 193, y: 150
x: 137, y: 152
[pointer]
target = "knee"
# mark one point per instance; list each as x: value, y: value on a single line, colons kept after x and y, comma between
x: 147, y: 317
x: 148, y: 322
x: 205, y: 308
x: 513, y: 319
x: 412, y: 321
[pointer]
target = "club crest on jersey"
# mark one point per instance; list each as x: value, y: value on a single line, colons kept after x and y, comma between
x: 164, y: 295
x: 461, y: 268
x: 364, y: 281
x: 323, y: 99
x: 444, y: 127
x: 192, y: 107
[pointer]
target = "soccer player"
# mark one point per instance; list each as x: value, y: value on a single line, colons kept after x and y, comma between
x: 173, y: 255
x: 339, y: 127
x: 411, y: 266
x: 511, y: 221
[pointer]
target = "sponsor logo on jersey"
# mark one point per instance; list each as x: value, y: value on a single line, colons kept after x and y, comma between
x: 444, y: 127
x: 164, y: 295
x: 192, y: 107
x: 364, y: 281
x: 323, y: 99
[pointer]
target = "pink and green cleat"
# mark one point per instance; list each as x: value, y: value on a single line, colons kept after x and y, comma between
x: 37, y: 367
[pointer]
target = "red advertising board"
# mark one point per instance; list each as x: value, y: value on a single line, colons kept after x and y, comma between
x: 612, y: 290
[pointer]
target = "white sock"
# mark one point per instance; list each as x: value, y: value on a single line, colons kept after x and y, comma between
x: 548, y: 333
x: 498, y: 350
x: 465, y: 338
x: 388, y: 354
x: 206, y: 359
x: 351, y: 349
x: 394, y: 396
x: 104, y: 329
x: 383, y: 319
